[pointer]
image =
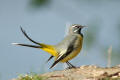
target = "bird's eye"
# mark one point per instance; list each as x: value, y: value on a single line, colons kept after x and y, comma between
x: 77, y: 26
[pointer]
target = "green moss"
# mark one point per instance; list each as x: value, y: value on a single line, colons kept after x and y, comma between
x: 31, y: 77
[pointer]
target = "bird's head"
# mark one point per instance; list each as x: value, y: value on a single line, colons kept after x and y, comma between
x: 76, y: 28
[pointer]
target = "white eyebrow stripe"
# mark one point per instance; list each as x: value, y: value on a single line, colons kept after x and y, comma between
x: 74, y: 26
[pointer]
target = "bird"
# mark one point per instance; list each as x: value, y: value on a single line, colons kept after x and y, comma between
x: 65, y: 50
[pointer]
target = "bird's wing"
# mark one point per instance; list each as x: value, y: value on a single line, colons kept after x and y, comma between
x: 69, y: 50
x: 50, y: 58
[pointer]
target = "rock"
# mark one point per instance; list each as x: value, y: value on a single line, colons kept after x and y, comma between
x: 88, y: 72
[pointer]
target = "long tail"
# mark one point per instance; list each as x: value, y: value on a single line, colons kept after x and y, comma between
x: 48, y: 48
x: 25, y: 34
x: 27, y: 45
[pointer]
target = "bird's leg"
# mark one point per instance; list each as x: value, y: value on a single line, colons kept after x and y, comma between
x: 70, y: 65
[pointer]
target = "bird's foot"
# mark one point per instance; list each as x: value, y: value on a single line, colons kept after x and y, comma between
x: 71, y: 67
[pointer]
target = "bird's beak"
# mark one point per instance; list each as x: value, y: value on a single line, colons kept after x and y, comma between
x: 85, y: 26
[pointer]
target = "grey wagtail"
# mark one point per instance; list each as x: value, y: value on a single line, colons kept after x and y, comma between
x: 64, y: 51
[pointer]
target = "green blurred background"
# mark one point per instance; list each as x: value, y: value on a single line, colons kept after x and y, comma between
x: 45, y: 21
